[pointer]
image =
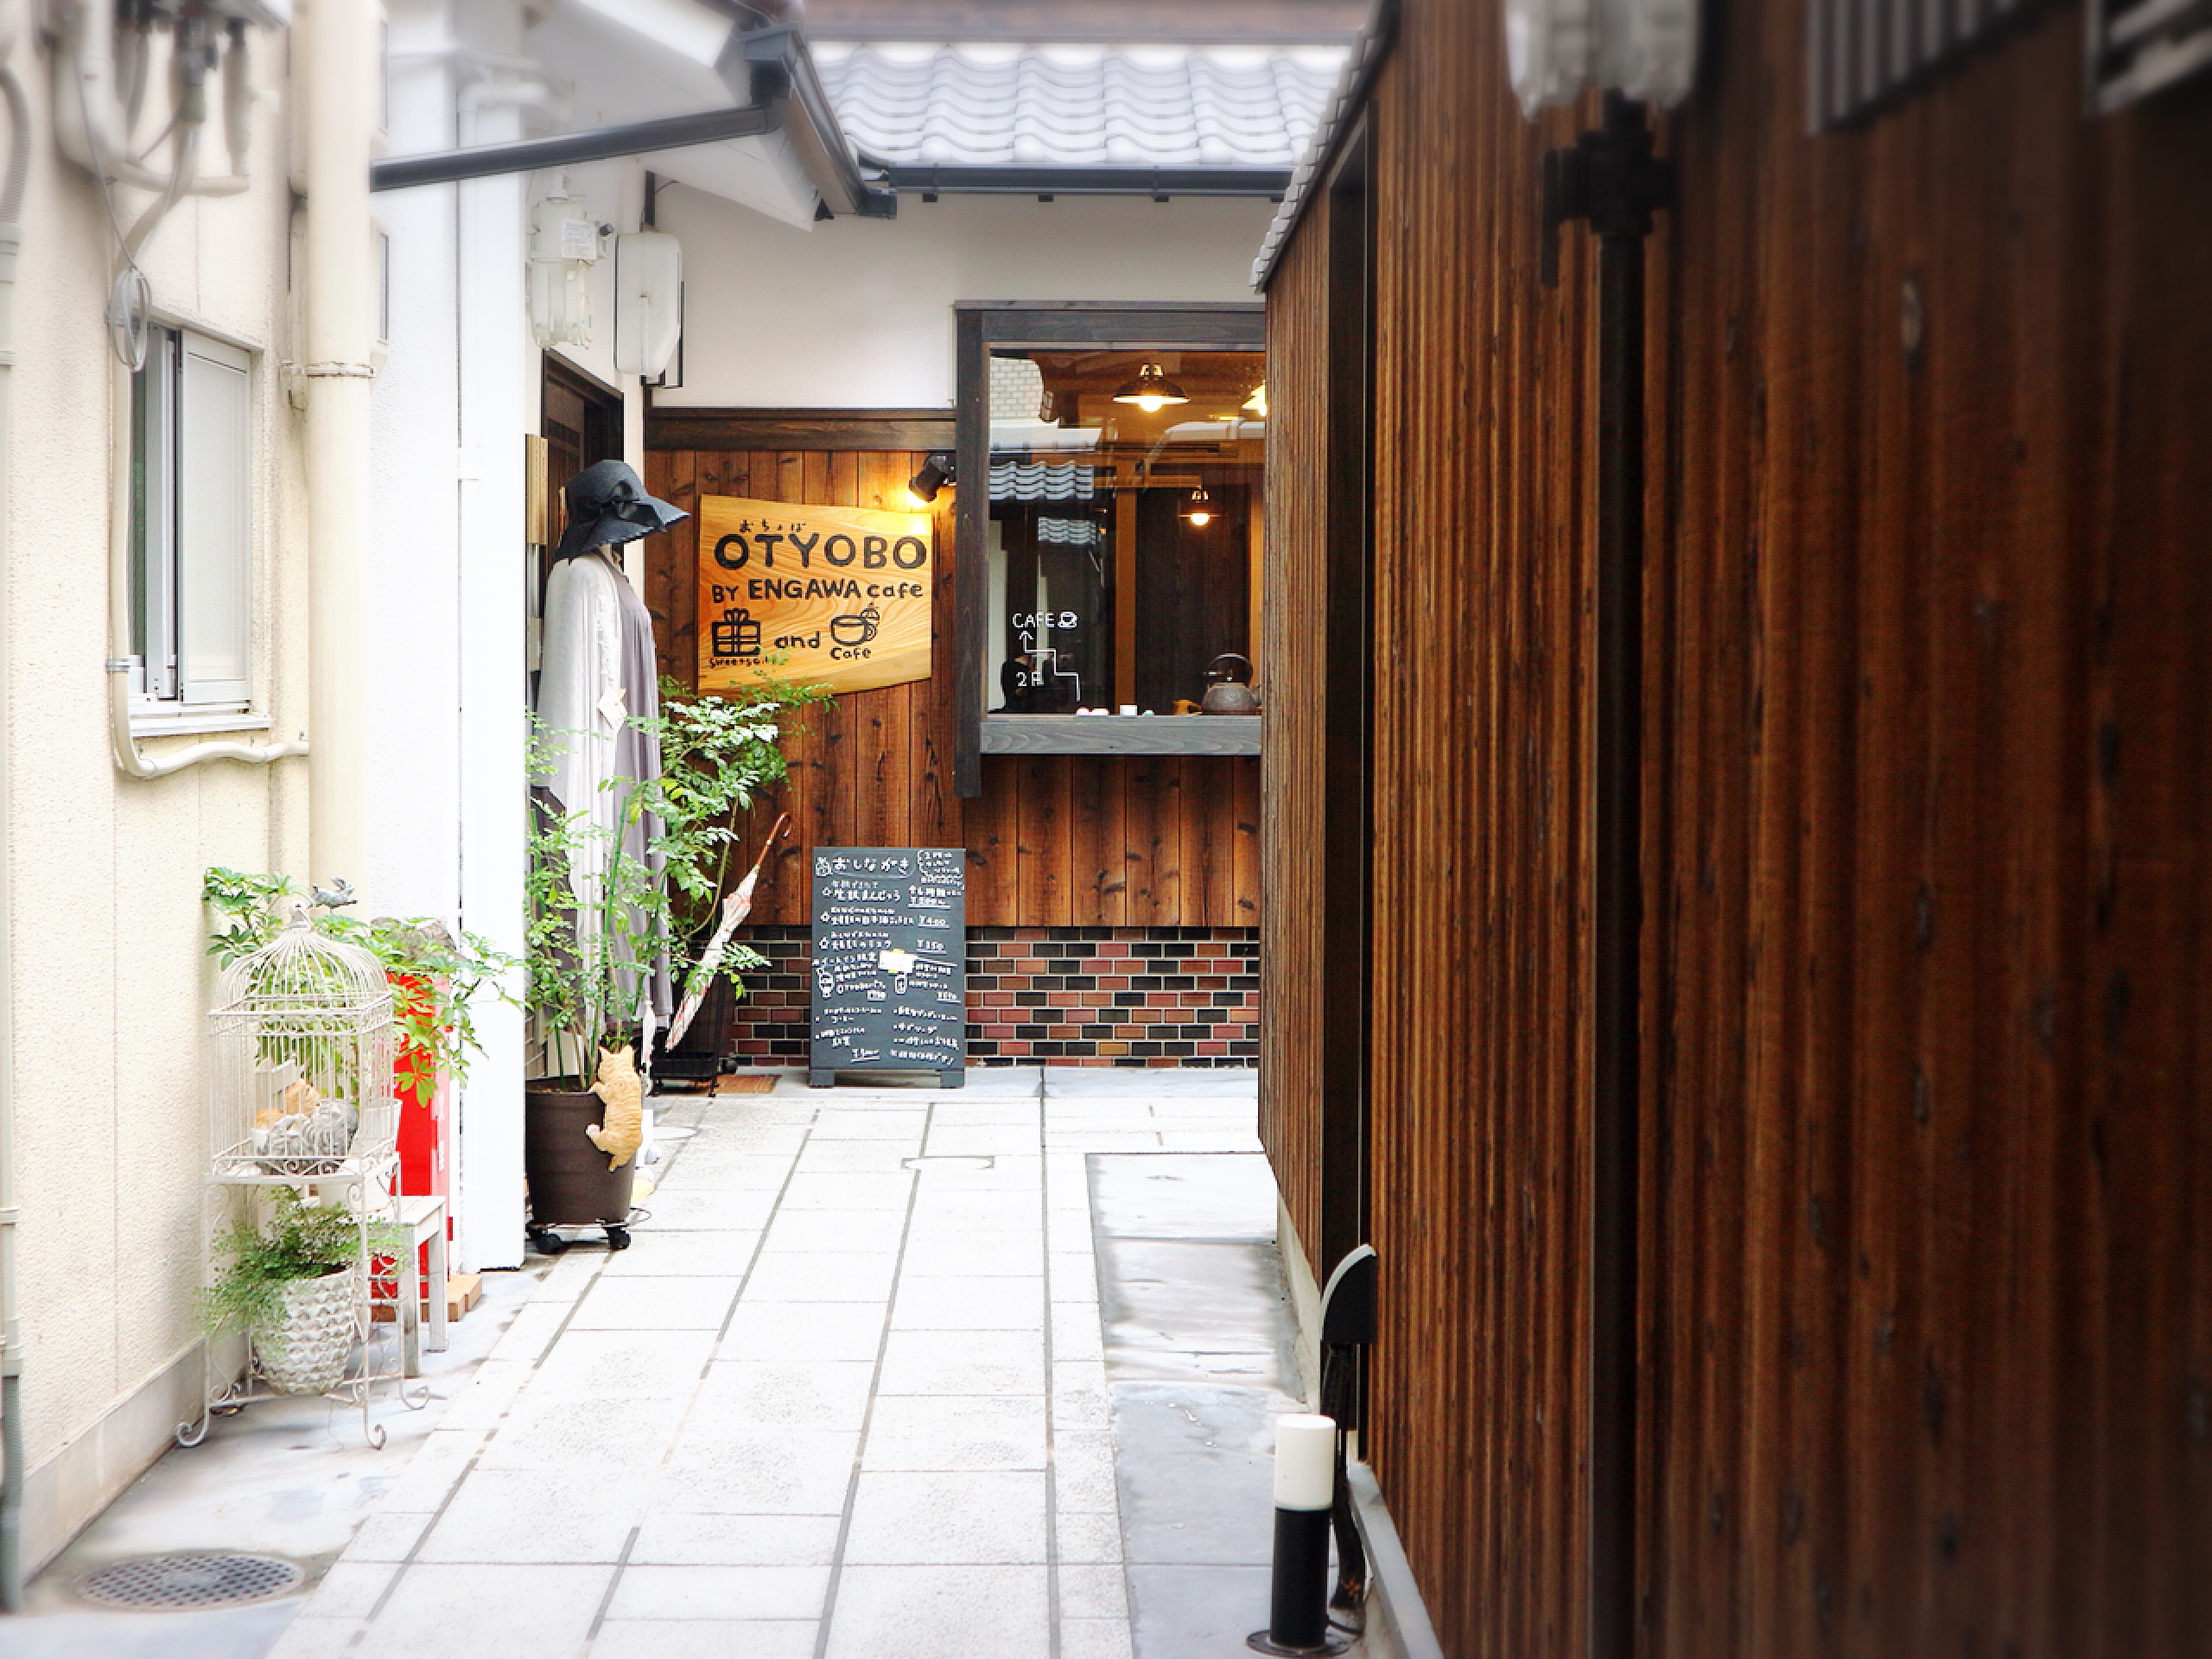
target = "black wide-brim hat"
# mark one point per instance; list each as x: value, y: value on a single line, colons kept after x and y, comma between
x: 608, y: 505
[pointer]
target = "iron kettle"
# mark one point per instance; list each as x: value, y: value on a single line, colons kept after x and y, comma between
x: 1227, y: 691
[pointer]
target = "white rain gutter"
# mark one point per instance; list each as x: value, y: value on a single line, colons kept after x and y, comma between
x: 338, y: 90
x: 11, y: 1338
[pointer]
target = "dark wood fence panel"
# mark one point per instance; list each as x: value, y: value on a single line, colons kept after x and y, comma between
x: 1927, y: 1287
x: 1295, y: 956
x: 1931, y: 980
x: 1056, y: 841
x: 1481, y: 857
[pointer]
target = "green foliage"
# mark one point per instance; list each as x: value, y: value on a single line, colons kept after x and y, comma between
x: 717, y: 755
x: 435, y: 980
x: 304, y: 1240
x: 586, y: 983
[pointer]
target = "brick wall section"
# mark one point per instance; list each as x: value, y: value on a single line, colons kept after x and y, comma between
x: 1072, y: 995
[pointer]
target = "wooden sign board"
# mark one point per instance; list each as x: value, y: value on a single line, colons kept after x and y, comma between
x: 890, y: 961
x: 835, y: 596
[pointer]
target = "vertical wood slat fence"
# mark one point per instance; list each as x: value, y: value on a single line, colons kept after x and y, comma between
x: 1926, y: 1321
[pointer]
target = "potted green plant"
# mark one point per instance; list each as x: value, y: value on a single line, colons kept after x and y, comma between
x: 717, y: 755
x: 593, y: 945
x: 294, y: 1289
x: 434, y: 977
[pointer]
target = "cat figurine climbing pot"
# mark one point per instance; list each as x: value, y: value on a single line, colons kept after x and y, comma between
x: 621, y: 1091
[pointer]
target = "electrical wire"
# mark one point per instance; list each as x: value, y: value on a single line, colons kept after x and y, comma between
x: 131, y: 299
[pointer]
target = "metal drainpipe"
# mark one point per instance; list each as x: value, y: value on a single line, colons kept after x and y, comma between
x: 11, y: 1341
x: 341, y: 265
x: 1612, y: 179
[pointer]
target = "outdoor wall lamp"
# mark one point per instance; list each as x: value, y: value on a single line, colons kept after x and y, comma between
x: 1151, y: 392
x: 937, y: 472
x: 1645, y: 49
x: 1200, y: 510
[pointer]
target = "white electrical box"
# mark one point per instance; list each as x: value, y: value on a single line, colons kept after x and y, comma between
x: 648, y: 302
x: 563, y: 247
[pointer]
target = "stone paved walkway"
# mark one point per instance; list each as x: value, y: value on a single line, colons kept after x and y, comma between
x: 845, y: 1395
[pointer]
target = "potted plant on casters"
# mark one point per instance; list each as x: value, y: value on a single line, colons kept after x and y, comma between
x: 604, y: 919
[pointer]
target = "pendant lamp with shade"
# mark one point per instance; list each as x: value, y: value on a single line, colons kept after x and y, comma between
x: 1151, y: 392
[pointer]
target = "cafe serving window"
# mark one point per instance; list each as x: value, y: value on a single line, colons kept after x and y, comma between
x: 1110, y: 475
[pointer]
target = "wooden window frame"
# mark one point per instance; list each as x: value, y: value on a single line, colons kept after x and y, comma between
x: 979, y: 328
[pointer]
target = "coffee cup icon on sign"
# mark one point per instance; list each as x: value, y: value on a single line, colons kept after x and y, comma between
x: 856, y: 630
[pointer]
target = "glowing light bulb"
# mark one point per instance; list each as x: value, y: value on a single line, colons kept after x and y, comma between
x: 1151, y: 392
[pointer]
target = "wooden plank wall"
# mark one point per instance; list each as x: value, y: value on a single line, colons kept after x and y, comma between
x: 1291, y: 1001
x: 1930, y: 1147
x: 1481, y: 856
x: 1054, y: 840
x: 1481, y: 849
x: 1927, y: 986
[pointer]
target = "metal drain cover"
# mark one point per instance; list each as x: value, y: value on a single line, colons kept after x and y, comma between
x: 190, y: 1578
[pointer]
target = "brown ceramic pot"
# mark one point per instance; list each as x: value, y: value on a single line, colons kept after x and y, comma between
x: 571, y: 1184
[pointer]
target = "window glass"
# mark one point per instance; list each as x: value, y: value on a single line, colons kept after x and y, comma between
x: 1123, y: 533
x: 191, y: 531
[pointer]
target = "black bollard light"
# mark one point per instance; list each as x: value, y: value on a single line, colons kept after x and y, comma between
x: 1297, y: 1604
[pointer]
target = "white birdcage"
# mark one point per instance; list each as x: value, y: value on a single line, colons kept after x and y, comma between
x: 304, y: 1043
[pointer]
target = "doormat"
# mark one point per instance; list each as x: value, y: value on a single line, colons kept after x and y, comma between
x: 746, y: 1083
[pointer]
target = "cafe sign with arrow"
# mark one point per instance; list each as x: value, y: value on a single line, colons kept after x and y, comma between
x: 831, y: 596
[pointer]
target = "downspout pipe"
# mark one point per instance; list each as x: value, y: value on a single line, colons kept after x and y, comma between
x: 340, y: 266
x: 11, y: 1335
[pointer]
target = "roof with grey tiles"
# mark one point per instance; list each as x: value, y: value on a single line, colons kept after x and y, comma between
x: 981, y: 104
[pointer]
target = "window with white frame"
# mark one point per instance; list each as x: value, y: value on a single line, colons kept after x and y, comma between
x: 192, y: 524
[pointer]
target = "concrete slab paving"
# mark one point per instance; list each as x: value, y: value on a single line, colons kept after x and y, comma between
x: 886, y: 1371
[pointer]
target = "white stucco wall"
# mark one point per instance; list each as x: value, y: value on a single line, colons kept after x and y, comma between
x: 459, y: 390
x: 110, y: 971
x: 857, y: 313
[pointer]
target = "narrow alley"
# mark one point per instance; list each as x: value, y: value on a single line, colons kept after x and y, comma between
x: 1105, y: 829
x: 849, y: 1393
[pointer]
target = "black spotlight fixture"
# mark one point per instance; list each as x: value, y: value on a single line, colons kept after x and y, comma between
x: 937, y: 472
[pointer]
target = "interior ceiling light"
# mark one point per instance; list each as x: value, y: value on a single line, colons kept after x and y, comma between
x: 1151, y: 392
x: 1256, y: 404
x: 1200, y: 510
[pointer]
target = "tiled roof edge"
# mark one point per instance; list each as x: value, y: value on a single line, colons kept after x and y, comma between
x: 1360, y: 68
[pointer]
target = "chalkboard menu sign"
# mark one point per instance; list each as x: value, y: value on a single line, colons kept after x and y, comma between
x: 890, y: 961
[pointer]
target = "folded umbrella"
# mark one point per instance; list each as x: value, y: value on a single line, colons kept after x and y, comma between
x: 735, y: 909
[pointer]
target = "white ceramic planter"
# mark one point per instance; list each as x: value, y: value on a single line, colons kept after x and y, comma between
x: 305, y: 1349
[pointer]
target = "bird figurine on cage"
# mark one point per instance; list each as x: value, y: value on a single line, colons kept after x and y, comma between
x: 337, y: 895
x: 621, y: 1129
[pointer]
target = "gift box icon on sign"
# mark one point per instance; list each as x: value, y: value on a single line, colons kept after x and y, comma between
x: 737, y: 635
